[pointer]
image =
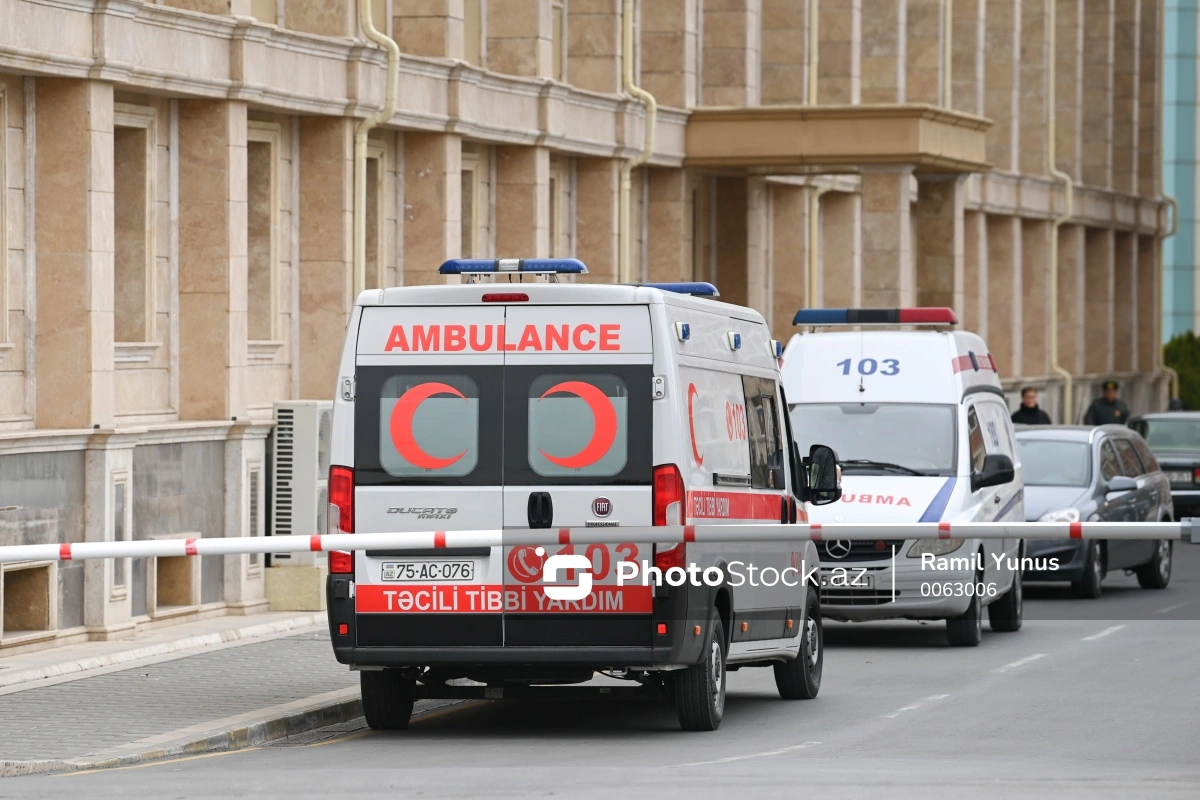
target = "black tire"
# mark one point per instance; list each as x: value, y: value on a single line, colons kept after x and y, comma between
x: 387, y: 699
x: 1089, y: 586
x: 1156, y: 573
x: 966, y: 630
x: 1006, y: 614
x: 800, y: 678
x: 700, y: 689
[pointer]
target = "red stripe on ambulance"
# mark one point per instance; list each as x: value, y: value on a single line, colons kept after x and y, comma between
x: 479, y: 598
x: 733, y: 505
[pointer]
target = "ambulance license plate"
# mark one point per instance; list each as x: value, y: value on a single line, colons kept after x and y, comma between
x: 847, y: 578
x: 422, y: 571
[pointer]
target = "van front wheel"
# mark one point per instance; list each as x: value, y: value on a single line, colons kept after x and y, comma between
x: 700, y: 689
x: 800, y: 678
x: 387, y: 699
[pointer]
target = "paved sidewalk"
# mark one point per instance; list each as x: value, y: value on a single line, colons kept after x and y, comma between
x: 243, y: 689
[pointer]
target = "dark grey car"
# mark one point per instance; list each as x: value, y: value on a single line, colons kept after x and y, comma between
x: 1075, y: 473
x: 1174, y: 437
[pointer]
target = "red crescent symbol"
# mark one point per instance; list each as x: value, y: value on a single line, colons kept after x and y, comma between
x: 402, y: 421
x: 692, y: 425
x: 604, y: 433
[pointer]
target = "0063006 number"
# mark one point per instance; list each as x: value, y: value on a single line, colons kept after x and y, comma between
x: 869, y: 366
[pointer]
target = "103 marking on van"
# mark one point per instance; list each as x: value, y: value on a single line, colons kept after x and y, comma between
x: 869, y: 366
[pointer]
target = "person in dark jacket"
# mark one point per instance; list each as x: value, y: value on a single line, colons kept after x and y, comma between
x: 1029, y: 413
x: 1107, y: 410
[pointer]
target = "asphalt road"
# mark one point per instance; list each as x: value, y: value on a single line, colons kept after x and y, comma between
x: 1090, y: 699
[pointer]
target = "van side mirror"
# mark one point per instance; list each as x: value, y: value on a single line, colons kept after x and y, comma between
x: 997, y: 470
x: 1120, y: 484
x: 821, y: 474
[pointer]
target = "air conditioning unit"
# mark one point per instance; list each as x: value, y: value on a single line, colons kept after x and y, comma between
x: 300, y: 474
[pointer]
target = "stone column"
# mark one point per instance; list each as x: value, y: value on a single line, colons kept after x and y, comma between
x: 789, y: 256
x: 432, y: 204
x: 519, y: 37
x: 1125, y: 300
x: 884, y: 50
x: 1002, y: 83
x: 1125, y: 87
x: 1149, y: 353
x: 730, y: 239
x: 594, y: 44
x: 839, y: 26
x: 429, y: 27
x: 522, y: 202
x: 1034, y: 122
x: 732, y: 34
x: 1071, y: 260
x: 75, y: 242
x: 923, y: 65
x: 887, y: 258
x: 939, y: 248
x: 669, y: 233
x: 758, y: 246
x: 784, y: 51
x: 1035, y: 294
x: 975, y: 273
x: 212, y: 259
x: 1069, y: 87
x: 1149, y: 80
x: 326, y: 248
x: 969, y: 46
x: 1098, y: 300
x: 1003, y: 289
x: 107, y: 609
x: 1098, y: 92
x: 670, y: 30
x: 244, y: 578
x: 597, y: 184
x: 840, y: 282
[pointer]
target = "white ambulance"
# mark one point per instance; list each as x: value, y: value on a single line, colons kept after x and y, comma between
x: 537, y: 404
x: 920, y: 422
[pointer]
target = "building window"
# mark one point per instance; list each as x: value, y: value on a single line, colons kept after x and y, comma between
x: 473, y: 32
x: 469, y: 242
x: 121, y: 533
x: 558, y: 40
x: 562, y: 217
x: 262, y: 223
x: 133, y: 223
x: 255, y: 526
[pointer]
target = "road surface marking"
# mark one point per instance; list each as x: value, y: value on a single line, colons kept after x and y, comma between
x: 916, y: 705
x: 1169, y: 609
x: 728, y: 759
x: 1020, y: 662
x: 1102, y: 633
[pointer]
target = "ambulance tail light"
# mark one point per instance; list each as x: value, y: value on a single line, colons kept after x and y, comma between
x: 341, y: 562
x: 341, y: 500
x: 506, y: 297
x: 668, y: 495
x: 671, y: 555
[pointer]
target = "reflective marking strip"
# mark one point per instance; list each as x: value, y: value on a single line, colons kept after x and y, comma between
x: 943, y: 530
x: 1076, y: 530
x: 64, y: 551
x: 564, y: 535
x: 689, y: 533
x: 189, y: 547
x: 815, y: 529
x: 314, y: 543
x: 439, y: 538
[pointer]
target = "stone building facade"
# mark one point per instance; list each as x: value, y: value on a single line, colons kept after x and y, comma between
x: 178, y: 195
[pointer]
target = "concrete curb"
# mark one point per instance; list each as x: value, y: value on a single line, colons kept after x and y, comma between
x: 254, y: 734
x: 162, y: 648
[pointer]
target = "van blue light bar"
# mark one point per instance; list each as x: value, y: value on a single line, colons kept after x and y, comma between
x: 529, y: 266
x: 875, y: 316
x: 699, y: 288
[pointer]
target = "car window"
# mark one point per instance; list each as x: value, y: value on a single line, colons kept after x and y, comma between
x: 975, y: 439
x: 1110, y: 467
x: 1169, y: 434
x: 1130, y: 464
x: 762, y: 417
x: 1143, y: 451
x: 1055, y: 463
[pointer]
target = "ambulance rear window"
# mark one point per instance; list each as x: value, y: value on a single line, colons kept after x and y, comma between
x: 578, y: 425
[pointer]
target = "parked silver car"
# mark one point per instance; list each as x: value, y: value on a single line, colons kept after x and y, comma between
x: 1107, y: 473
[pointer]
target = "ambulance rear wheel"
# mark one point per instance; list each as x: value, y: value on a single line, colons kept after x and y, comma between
x: 800, y: 678
x: 387, y: 699
x: 700, y: 689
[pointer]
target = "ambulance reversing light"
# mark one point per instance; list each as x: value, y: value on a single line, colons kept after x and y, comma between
x: 875, y: 316
x: 529, y: 266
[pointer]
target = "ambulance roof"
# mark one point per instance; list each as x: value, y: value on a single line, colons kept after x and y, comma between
x: 886, y: 366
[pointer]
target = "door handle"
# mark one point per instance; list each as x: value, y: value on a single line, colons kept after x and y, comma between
x: 540, y: 510
x: 996, y: 499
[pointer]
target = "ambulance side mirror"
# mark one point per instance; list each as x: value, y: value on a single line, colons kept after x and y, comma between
x: 823, y: 478
x: 997, y: 470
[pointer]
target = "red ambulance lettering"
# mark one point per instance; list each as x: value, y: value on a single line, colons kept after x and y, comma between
x: 456, y: 338
x: 609, y: 337
x: 529, y: 339
x: 558, y: 337
x: 485, y: 338
x: 578, y: 337
x: 477, y: 343
x: 426, y: 337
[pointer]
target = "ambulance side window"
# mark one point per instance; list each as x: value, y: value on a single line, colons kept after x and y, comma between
x: 975, y: 439
x: 764, y: 431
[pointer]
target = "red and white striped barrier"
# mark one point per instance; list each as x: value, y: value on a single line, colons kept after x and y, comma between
x: 1188, y: 531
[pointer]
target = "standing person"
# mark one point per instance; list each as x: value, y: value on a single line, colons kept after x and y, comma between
x: 1107, y: 410
x: 1029, y: 413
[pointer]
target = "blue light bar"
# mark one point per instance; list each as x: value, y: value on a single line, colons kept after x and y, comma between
x: 529, y: 266
x: 875, y: 316
x: 698, y: 288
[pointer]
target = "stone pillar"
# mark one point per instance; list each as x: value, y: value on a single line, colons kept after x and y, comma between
x: 840, y: 282
x: 1125, y: 300
x: 1125, y: 87
x: 244, y: 577
x: 730, y: 239
x: 1098, y: 300
x: 522, y: 202
x: 887, y: 259
x: 594, y: 44
x: 789, y: 256
x: 975, y: 273
x: 1149, y: 353
x: 326, y: 248
x: 1071, y: 261
x: 670, y: 30
x: 1034, y: 122
x: 939, y: 248
x: 732, y: 35
x: 429, y: 28
x: 1068, y: 90
x: 1002, y: 83
x: 212, y: 259
x: 432, y: 204
x: 924, y: 79
x: 969, y: 46
x: 519, y: 37
x: 784, y: 51
x: 1149, y: 80
x: 1035, y: 294
x: 597, y: 187
x: 75, y: 242
x: 839, y: 28
x: 884, y: 51
x: 1098, y: 92
x: 669, y: 234
x: 1003, y: 289
x: 107, y: 608
x: 758, y: 246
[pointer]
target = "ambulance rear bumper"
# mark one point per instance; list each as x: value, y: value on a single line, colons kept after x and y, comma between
x: 595, y: 657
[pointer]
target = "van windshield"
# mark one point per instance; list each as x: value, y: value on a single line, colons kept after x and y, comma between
x: 910, y: 437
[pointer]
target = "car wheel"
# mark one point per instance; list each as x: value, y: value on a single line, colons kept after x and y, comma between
x: 700, y: 689
x: 1006, y: 614
x: 800, y: 678
x: 1156, y: 573
x: 966, y: 630
x: 1089, y: 584
x: 387, y: 699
